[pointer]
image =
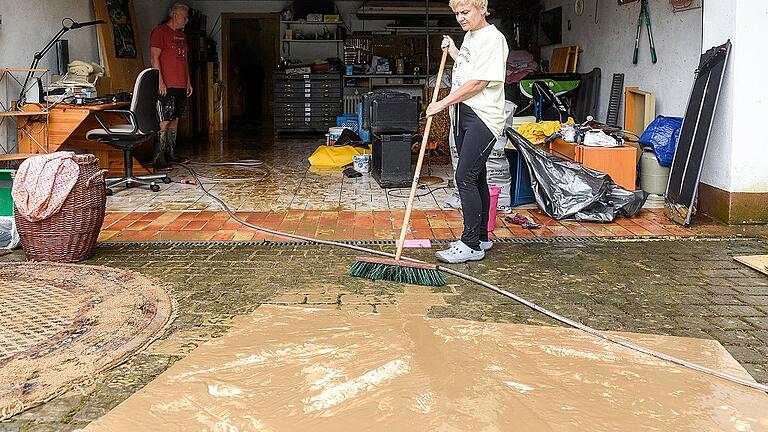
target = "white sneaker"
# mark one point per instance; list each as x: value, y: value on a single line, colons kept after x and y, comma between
x: 460, y: 253
x: 484, y: 245
x: 453, y: 201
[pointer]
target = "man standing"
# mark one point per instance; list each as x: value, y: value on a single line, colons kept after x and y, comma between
x: 169, y: 56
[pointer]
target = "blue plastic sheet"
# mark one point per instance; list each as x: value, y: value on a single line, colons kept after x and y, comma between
x: 662, y: 136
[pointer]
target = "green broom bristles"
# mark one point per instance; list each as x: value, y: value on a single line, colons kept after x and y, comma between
x: 397, y: 273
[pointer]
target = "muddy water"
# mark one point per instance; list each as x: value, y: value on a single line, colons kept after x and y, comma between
x: 287, y: 369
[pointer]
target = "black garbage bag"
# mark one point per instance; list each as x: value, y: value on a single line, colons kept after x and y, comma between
x: 567, y: 190
x: 349, y: 137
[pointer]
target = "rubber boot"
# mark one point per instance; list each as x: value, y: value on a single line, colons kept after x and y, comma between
x: 159, y: 161
x: 172, y: 157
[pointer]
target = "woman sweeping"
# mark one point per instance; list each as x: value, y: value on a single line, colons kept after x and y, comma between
x: 476, y: 106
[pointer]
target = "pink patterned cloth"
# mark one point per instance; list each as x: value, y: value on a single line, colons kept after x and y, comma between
x: 42, y: 184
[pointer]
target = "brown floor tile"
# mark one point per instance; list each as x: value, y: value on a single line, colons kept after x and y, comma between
x: 107, y: 235
x: 223, y: 235
x: 194, y: 225
x: 138, y: 225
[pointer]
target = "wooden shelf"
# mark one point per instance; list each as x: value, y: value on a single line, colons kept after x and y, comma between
x: 312, y: 40
x: 312, y: 22
x: 15, y: 156
x: 22, y: 113
x: 385, y: 76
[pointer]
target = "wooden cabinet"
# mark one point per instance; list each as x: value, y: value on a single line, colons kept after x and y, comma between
x: 618, y: 162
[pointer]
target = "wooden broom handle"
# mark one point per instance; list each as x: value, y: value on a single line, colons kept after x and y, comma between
x: 424, y: 141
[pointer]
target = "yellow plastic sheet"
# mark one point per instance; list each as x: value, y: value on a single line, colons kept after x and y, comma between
x: 538, y: 132
x: 334, y: 157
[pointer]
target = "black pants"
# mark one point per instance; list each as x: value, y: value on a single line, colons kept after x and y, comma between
x: 173, y: 104
x: 474, y: 142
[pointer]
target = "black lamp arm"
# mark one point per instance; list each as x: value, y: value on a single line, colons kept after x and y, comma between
x: 67, y: 24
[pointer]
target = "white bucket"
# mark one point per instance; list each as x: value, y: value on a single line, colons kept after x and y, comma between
x: 333, y: 134
x: 361, y: 163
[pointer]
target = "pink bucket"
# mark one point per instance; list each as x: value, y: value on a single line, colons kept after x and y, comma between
x: 494, y: 190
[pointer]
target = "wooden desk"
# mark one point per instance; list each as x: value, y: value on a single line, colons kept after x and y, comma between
x: 66, y: 129
x: 618, y: 162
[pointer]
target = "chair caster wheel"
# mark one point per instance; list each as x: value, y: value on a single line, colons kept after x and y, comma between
x: 129, y: 185
x: 167, y: 180
x: 109, y: 192
x: 154, y: 188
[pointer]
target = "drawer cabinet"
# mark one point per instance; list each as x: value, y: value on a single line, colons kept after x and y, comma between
x: 306, y: 103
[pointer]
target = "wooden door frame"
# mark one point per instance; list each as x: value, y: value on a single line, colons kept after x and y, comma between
x: 225, y: 54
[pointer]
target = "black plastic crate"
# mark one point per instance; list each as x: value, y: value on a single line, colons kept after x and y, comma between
x: 391, y: 161
x: 390, y: 112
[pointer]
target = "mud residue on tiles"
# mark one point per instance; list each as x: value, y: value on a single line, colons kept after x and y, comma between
x: 285, y: 369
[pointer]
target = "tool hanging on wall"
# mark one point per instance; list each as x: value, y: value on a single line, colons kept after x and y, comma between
x: 596, y: 7
x: 644, y: 13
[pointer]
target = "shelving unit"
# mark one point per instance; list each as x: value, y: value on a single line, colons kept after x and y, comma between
x: 310, y: 28
x: 354, y: 86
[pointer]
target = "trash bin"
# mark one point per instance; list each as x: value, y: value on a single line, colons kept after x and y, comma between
x: 653, y: 176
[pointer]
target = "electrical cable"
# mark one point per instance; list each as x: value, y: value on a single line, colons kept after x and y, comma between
x: 515, y: 297
x: 430, y: 191
x: 244, y: 164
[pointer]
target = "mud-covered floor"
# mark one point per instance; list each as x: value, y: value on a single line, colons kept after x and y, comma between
x: 681, y: 288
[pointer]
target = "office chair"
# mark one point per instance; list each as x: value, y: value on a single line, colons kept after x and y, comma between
x: 143, y: 123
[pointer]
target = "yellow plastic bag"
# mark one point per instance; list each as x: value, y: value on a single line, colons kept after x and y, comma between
x: 333, y: 157
x: 538, y: 132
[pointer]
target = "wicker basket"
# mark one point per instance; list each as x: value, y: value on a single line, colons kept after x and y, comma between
x: 69, y: 235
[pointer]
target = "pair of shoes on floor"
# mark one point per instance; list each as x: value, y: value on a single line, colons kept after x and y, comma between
x: 522, y: 220
x: 459, y: 253
x: 484, y: 245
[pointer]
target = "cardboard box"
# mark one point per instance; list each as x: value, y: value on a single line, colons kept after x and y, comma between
x: 315, y: 17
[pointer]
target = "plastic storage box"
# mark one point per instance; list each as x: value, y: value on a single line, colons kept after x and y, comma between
x: 6, y: 184
x: 521, y: 190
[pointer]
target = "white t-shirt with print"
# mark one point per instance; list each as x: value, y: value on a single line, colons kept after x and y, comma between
x: 483, y: 56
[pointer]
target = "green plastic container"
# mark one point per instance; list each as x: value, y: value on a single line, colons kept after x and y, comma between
x: 6, y: 183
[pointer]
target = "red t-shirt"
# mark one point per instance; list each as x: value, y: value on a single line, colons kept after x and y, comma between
x: 173, y: 57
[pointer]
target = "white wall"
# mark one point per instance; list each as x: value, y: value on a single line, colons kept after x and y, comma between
x: 720, y: 19
x: 27, y: 26
x: 149, y: 13
x: 609, y: 45
x: 737, y: 155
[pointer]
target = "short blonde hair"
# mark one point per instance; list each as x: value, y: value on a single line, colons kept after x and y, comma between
x: 478, y: 4
x: 176, y: 6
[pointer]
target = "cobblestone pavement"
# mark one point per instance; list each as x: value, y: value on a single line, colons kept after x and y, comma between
x: 674, y: 287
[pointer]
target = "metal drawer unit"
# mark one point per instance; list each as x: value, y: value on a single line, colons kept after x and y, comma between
x: 306, y: 103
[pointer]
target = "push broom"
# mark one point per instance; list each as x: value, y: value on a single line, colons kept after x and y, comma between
x: 399, y: 269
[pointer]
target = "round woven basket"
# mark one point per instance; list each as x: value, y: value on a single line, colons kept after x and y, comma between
x: 69, y: 235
